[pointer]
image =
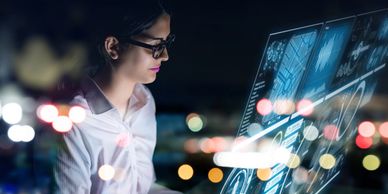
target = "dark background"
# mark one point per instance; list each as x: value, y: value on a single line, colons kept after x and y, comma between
x: 212, y: 65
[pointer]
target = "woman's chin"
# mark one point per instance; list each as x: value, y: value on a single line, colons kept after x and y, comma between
x: 149, y: 80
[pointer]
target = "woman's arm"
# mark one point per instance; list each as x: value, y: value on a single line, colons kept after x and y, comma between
x: 72, y: 168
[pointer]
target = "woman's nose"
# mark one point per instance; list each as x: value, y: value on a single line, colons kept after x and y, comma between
x: 164, y: 56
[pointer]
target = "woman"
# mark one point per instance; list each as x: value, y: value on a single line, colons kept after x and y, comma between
x: 111, y: 151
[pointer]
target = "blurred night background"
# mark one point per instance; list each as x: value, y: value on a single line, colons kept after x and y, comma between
x: 212, y: 66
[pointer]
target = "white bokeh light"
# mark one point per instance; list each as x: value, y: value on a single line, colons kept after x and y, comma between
x: 310, y: 133
x: 47, y: 112
x: 106, y: 172
x: 62, y: 124
x: 77, y: 114
x: 18, y: 133
x: 14, y: 133
x: 12, y: 113
x: 28, y: 133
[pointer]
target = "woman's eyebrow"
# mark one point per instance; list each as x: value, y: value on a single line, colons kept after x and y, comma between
x: 154, y: 38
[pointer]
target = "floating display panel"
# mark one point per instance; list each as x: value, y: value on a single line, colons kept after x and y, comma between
x: 334, y: 66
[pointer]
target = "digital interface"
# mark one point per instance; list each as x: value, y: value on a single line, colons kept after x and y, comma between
x: 309, y: 86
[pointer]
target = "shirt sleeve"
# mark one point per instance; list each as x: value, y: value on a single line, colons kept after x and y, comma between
x: 159, y: 189
x: 72, y: 168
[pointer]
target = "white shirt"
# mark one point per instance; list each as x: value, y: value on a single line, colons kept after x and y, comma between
x: 103, y: 138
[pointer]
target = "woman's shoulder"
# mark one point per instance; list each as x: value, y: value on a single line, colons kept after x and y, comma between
x: 79, y: 100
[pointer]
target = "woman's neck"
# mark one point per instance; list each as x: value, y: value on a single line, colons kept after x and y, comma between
x: 116, y: 87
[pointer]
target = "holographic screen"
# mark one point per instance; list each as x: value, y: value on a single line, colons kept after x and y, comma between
x: 310, y: 84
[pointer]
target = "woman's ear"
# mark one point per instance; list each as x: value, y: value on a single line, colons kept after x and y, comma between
x: 112, y: 47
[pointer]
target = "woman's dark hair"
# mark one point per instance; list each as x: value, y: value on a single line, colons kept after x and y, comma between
x: 118, y: 20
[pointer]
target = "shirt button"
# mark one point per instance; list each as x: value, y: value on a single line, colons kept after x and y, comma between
x: 123, y: 139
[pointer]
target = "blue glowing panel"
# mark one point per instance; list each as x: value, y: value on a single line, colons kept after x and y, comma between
x: 379, y: 53
x: 377, y: 57
x: 335, y: 66
x: 370, y: 88
x: 245, y: 180
x: 325, y: 58
x: 340, y: 112
x: 240, y: 181
x: 365, y: 49
x: 291, y: 68
x: 285, y: 58
x: 292, y: 139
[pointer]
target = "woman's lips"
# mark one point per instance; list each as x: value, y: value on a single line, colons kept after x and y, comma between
x: 155, y: 69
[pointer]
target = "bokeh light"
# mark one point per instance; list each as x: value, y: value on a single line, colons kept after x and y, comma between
x: 366, y: 129
x: 330, y: 132
x: 191, y: 115
x: 310, y: 133
x: 28, y: 133
x: 62, y: 124
x: 207, y: 145
x: 12, y: 113
x: 294, y: 161
x: 195, y: 123
x: 18, y: 133
x: 327, y: 161
x: 220, y: 144
x: 304, y: 107
x: 264, y: 106
x: 215, y: 175
x: 47, y: 112
x: 106, y: 172
x: 364, y: 142
x: 254, y: 129
x: 77, y: 114
x: 123, y: 139
x: 185, y: 172
x: 284, y: 107
x: 191, y: 146
x: 300, y: 175
x: 37, y: 57
x: 383, y: 130
x: 14, y: 133
x: 371, y: 162
x: 264, y: 174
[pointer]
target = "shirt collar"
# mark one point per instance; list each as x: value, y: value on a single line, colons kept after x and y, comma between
x: 99, y: 104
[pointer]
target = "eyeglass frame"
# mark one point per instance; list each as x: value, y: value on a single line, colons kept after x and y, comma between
x: 164, y: 43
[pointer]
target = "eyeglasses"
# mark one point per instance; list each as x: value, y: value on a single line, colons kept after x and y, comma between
x: 157, y: 50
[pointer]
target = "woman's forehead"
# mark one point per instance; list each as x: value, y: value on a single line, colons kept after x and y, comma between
x: 161, y: 28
